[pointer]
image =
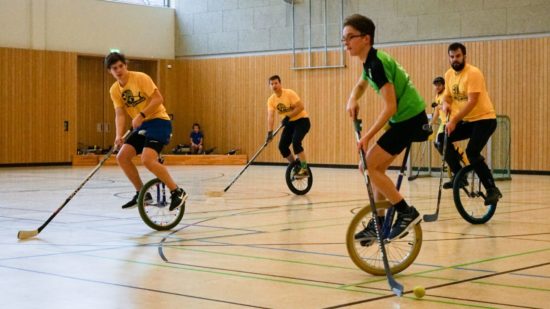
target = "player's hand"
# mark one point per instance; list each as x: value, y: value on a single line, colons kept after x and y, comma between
x: 450, y: 127
x: 136, y: 122
x: 269, y: 137
x: 363, y: 143
x: 352, y: 108
x: 118, y: 141
x: 285, y: 121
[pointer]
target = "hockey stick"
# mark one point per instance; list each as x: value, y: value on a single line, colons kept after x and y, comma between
x: 395, y: 286
x: 32, y: 233
x: 433, y: 217
x: 220, y: 193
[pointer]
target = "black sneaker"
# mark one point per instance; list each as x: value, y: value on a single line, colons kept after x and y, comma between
x: 404, y: 222
x: 133, y: 203
x: 493, y: 195
x: 368, y: 235
x: 449, y: 184
x: 177, y: 198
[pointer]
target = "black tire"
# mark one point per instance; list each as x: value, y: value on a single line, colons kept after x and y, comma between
x: 470, y: 199
x: 298, y: 186
x: 156, y: 213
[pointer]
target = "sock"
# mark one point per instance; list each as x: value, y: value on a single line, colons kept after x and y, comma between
x: 303, y: 164
x: 401, y: 206
x: 381, y: 219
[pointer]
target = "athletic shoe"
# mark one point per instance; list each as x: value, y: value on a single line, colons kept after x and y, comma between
x: 368, y: 235
x: 177, y: 198
x: 449, y: 184
x: 133, y: 202
x: 493, y: 195
x: 404, y: 222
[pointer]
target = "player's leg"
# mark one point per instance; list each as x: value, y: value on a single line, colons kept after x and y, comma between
x: 285, y: 141
x: 481, y: 132
x: 157, y: 134
x: 301, y: 128
x: 463, y: 130
x: 368, y: 234
x: 132, y: 147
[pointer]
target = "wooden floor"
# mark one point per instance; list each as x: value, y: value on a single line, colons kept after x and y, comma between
x: 259, y: 246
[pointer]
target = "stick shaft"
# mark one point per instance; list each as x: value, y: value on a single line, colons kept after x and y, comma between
x: 98, y: 166
x: 395, y: 286
x: 251, y: 160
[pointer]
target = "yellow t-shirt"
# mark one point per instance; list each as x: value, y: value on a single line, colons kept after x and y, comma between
x: 442, y: 116
x: 469, y: 80
x: 282, y: 104
x: 135, y: 96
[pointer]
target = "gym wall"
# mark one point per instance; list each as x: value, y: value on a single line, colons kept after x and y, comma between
x: 228, y: 96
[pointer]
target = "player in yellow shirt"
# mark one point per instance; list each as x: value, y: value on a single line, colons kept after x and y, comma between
x: 475, y: 119
x: 135, y: 93
x: 286, y: 103
x: 439, y: 89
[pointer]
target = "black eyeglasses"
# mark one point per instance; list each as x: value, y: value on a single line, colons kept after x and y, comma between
x: 350, y: 37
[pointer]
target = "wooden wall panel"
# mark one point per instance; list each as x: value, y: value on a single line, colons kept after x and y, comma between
x: 37, y: 94
x: 90, y: 105
x: 228, y: 96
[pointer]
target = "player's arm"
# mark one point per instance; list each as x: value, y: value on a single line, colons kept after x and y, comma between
x: 353, y: 106
x: 270, y: 119
x: 390, y: 108
x: 435, y: 115
x: 297, y: 108
x: 473, y: 98
x: 120, y: 124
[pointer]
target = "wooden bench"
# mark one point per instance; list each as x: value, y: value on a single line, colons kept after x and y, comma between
x: 216, y: 159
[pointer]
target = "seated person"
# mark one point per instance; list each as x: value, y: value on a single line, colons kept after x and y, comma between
x: 196, y: 139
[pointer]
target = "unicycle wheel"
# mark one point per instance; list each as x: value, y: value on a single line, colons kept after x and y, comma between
x: 298, y: 185
x: 470, y: 199
x: 401, y: 253
x: 154, y: 206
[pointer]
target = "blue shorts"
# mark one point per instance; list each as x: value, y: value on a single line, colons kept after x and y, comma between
x: 153, y: 133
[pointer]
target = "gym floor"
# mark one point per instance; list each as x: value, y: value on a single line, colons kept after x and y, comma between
x: 259, y: 245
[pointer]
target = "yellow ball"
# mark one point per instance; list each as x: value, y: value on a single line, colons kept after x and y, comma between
x: 419, y: 291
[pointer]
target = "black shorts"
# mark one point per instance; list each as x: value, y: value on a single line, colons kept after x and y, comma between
x: 153, y: 134
x: 401, y: 134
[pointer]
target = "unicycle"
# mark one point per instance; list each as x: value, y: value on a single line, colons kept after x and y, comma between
x: 154, y: 206
x: 298, y: 185
x: 370, y: 256
x: 469, y: 197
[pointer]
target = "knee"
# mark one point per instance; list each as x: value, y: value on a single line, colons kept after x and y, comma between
x: 148, y: 161
x: 123, y: 158
x: 297, y: 147
x: 285, y: 151
x: 473, y: 156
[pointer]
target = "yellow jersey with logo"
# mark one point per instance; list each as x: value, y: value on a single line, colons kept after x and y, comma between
x: 282, y: 104
x: 469, y: 80
x: 135, y: 96
x: 442, y: 116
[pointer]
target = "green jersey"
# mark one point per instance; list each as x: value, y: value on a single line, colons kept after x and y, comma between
x: 379, y: 69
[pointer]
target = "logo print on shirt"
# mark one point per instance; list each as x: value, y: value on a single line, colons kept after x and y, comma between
x: 370, y: 73
x: 130, y: 99
x: 282, y: 108
x: 456, y: 93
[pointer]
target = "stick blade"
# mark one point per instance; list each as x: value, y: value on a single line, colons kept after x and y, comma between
x: 214, y: 193
x: 27, y: 234
x: 396, y: 287
x: 431, y: 217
